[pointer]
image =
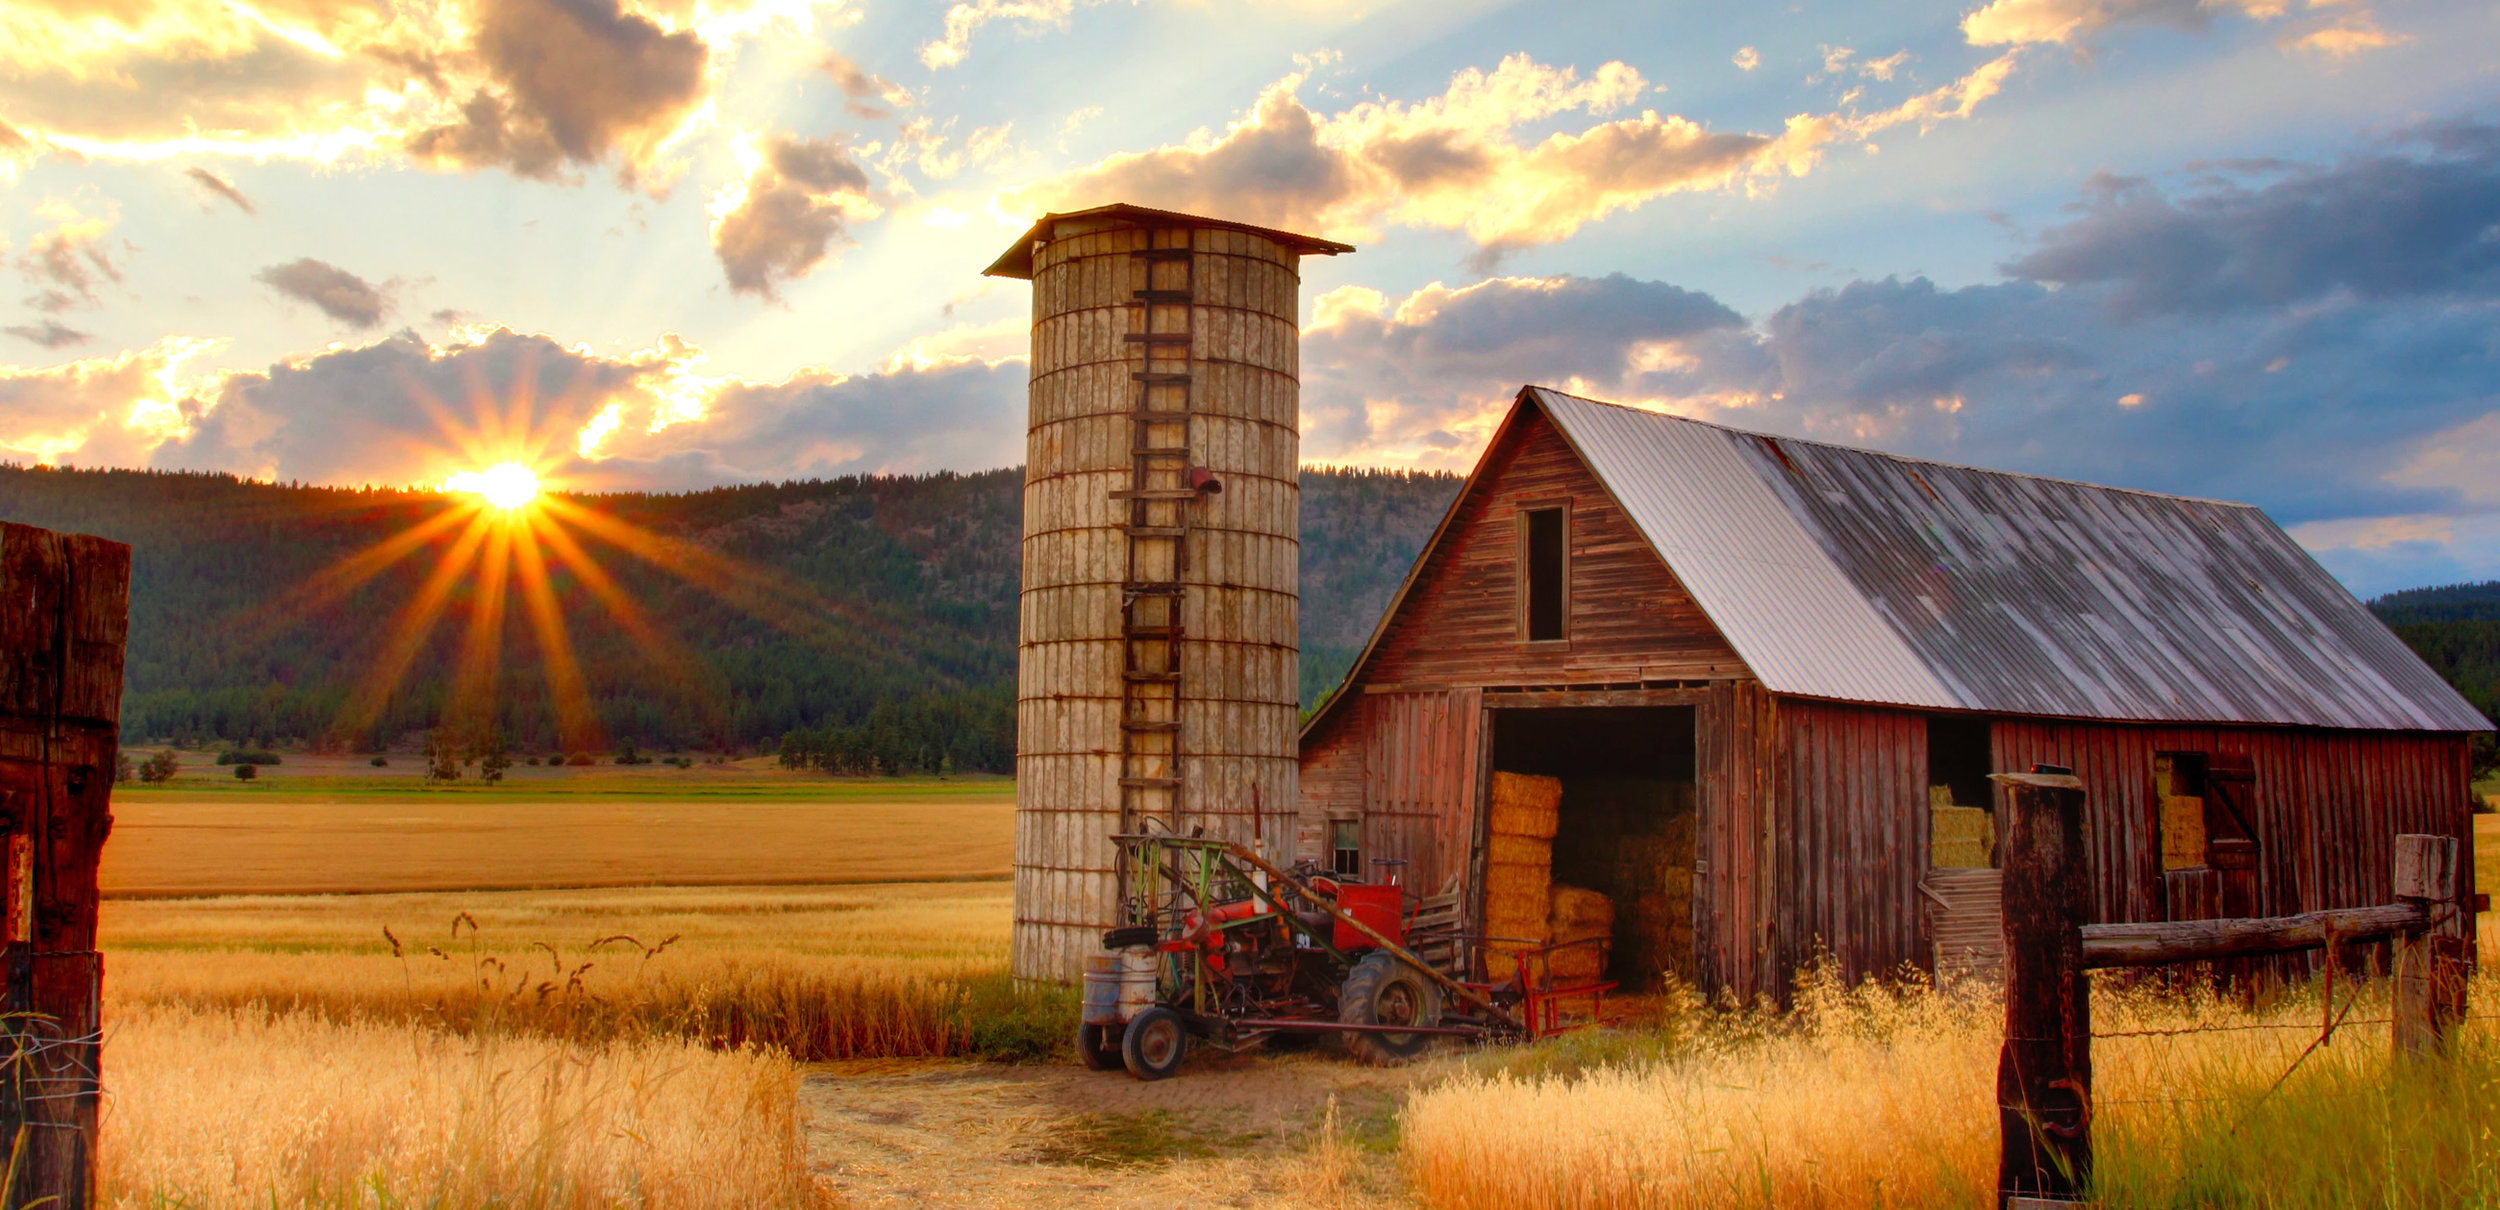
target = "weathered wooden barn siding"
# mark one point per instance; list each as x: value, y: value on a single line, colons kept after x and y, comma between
x: 1331, y: 782
x: 1420, y: 757
x: 1630, y: 620
x: 2328, y: 804
x: 1736, y: 943
x: 1849, y: 838
x: 1457, y: 631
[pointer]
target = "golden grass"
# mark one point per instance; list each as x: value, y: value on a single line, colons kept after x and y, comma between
x: 176, y: 842
x: 234, y: 1108
x: 820, y: 972
x: 1874, y: 1096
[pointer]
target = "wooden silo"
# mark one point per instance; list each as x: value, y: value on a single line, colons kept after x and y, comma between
x: 1158, y: 668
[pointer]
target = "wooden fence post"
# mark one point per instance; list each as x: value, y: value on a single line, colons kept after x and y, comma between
x: 64, y: 614
x: 2429, y: 995
x: 2044, y: 1073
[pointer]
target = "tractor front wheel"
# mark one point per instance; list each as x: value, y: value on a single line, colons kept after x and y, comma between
x: 1156, y: 1042
x: 1381, y: 990
x: 1098, y: 1047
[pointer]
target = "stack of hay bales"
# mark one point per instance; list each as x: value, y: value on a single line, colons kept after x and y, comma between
x: 2182, y: 831
x: 1674, y: 896
x: 1519, y: 869
x: 1959, y: 838
x: 1578, y: 914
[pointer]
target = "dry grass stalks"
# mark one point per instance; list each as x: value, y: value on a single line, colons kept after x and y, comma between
x: 216, y: 1108
x: 1885, y: 1097
x: 818, y: 973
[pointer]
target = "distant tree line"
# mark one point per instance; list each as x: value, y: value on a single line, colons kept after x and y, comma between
x: 871, y: 629
x: 876, y: 613
x: 947, y: 733
x: 2455, y: 628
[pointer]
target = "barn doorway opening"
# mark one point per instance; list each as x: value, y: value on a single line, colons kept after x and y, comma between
x: 1626, y: 825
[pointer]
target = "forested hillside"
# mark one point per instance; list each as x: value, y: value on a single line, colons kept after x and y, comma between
x: 2456, y: 629
x: 869, y: 621
x: 874, y: 617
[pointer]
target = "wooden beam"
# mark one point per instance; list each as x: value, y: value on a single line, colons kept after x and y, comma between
x: 1531, y: 699
x: 2160, y: 942
x: 2044, y: 1071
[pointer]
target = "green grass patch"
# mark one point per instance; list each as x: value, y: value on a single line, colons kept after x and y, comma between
x: 1128, y: 1140
x: 1007, y: 1023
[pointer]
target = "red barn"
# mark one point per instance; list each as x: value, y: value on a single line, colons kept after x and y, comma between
x: 1773, y: 675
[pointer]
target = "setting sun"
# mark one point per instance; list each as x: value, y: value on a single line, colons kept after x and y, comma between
x: 507, y: 485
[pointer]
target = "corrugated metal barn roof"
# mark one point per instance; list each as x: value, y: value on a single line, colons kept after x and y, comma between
x: 1858, y: 576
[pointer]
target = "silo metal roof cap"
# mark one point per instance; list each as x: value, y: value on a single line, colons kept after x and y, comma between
x: 1017, y: 261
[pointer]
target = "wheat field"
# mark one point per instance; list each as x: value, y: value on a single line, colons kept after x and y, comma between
x: 246, y: 1108
x: 324, y: 835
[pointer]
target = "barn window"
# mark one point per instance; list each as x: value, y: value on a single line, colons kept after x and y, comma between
x: 2208, y: 810
x: 1345, y: 847
x: 2179, y: 788
x: 1545, y: 573
x: 1961, y: 821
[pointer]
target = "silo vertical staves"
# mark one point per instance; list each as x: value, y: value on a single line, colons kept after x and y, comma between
x: 1157, y: 661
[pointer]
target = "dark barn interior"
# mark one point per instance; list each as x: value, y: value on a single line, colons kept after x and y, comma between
x: 1627, y: 821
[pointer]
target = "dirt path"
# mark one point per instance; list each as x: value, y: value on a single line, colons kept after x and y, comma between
x: 1235, y: 1132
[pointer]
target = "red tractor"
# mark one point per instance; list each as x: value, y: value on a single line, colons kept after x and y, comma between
x: 1219, y: 947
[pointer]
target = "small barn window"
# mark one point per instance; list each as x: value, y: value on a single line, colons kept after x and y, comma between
x: 1345, y: 847
x: 1544, y: 573
x: 2179, y: 789
x: 1961, y: 820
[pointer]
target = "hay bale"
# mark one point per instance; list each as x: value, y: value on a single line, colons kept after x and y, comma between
x: 1525, y: 805
x: 1580, y: 912
x: 1520, y: 851
x: 2182, y: 832
x: 1581, y: 964
x: 1961, y: 838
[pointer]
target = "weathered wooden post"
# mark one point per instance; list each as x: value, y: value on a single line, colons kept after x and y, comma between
x: 2044, y: 1073
x: 64, y: 613
x: 2430, y: 993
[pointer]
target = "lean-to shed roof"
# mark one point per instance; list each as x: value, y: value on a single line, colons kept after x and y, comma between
x: 1858, y: 576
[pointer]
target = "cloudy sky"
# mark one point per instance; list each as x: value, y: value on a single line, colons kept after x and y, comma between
x: 2235, y: 248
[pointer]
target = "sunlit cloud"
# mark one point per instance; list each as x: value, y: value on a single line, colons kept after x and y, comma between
x: 793, y: 200
x: 1461, y: 160
x: 70, y: 262
x: 109, y: 410
x: 333, y: 291
x: 542, y: 88
x: 2342, y: 27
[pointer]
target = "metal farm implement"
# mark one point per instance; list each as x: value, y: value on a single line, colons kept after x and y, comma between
x: 1217, y: 946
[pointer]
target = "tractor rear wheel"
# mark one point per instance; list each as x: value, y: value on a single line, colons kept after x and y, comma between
x: 1156, y: 1042
x: 1381, y: 990
x: 1098, y: 1047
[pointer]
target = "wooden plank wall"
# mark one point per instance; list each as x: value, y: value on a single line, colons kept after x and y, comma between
x: 1630, y: 618
x: 1331, y: 781
x: 1736, y: 942
x: 1850, y: 838
x: 1420, y: 756
x: 2329, y: 805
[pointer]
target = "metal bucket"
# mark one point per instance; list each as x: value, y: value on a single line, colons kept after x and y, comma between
x: 1139, y: 969
x: 1102, y: 989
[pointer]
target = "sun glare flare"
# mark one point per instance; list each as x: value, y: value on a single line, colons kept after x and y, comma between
x: 506, y: 485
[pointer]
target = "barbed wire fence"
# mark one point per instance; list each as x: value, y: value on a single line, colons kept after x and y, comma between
x: 2046, y: 1069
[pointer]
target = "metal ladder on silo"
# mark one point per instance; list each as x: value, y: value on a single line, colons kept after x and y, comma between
x: 1156, y: 533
